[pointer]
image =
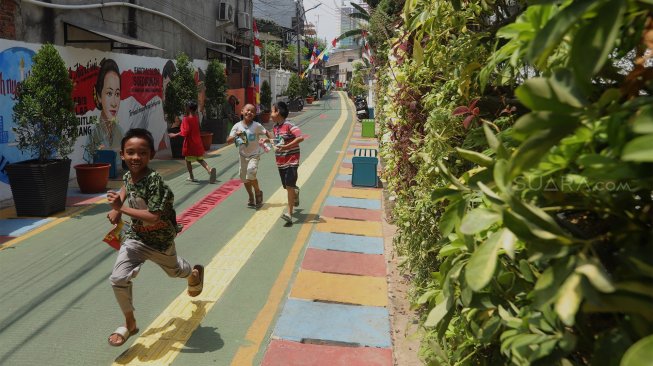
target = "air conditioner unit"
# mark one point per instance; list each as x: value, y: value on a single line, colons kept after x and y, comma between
x: 225, y: 12
x: 244, y: 21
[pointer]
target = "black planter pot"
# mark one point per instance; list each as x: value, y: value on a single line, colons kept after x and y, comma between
x: 219, y: 129
x: 39, y: 189
x: 176, y: 143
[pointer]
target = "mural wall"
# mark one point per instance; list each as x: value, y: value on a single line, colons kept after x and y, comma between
x: 113, y: 92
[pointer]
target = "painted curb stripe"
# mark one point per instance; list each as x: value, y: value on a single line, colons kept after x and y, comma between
x: 346, y: 243
x: 354, y: 202
x: 303, y: 320
x: 330, y: 225
x: 349, y: 213
x: 287, y: 353
x: 357, y: 264
x: 372, y: 194
x: 340, y: 288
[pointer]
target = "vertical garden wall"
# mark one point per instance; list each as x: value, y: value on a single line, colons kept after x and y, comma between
x: 520, y: 140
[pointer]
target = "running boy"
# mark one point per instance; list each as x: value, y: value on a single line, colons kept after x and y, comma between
x: 149, y: 203
x: 193, y: 149
x: 245, y: 134
x: 287, y: 137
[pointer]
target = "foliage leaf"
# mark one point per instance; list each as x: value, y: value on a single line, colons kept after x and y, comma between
x: 555, y: 29
x: 475, y: 157
x: 568, y: 299
x: 483, y: 262
x: 639, y: 149
x: 595, y: 40
x: 640, y: 353
x: 478, y: 220
x: 643, y: 120
x: 556, y: 94
x: 438, y: 312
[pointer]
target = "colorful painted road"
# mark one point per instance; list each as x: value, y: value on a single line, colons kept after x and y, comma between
x: 311, y: 294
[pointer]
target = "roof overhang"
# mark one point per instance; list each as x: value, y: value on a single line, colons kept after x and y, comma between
x: 232, y: 55
x: 79, y: 33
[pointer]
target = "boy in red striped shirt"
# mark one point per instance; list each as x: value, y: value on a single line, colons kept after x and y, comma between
x: 287, y: 137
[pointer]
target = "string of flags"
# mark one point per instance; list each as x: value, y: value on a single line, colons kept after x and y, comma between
x: 257, y: 67
x: 322, y: 56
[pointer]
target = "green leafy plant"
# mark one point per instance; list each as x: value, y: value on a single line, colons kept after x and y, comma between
x: 216, y: 88
x: 46, y: 125
x: 526, y: 236
x: 181, y: 89
x: 294, y: 88
x: 266, y: 96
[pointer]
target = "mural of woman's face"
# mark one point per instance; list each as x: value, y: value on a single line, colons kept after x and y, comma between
x: 110, y: 96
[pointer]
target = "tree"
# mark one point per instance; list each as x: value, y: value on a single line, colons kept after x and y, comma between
x: 44, y: 113
x: 181, y: 89
x: 266, y: 96
x: 216, y: 88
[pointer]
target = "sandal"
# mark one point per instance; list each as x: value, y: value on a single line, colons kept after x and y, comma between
x: 189, y: 179
x: 124, y: 334
x: 251, y: 204
x: 196, y: 289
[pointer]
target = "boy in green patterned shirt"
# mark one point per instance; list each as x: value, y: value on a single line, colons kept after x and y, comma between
x: 146, y: 198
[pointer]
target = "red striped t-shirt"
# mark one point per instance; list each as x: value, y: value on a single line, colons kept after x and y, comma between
x: 288, y: 132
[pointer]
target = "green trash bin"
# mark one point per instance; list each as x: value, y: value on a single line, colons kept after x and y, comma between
x: 368, y: 128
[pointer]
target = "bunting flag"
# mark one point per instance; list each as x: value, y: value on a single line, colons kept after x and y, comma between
x: 367, y: 51
x: 324, y: 56
x: 257, y: 47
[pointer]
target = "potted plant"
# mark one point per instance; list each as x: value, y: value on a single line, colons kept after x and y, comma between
x: 92, y: 177
x: 266, y: 102
x: 307, y: 90
x: 216, y: 91
x: 181, y: 89
x: 46, y: 128
x: 295, y: 93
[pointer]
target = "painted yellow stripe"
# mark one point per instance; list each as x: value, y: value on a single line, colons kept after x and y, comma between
x: 162, y: 341
x: 353, y: 227
x: 344, y: 171
x: 259, y: 328
x: 362, y: 290
x: 373, y: 194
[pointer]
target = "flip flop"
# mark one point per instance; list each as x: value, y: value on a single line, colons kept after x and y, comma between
x: 124, y: 334
x: 195, y: 290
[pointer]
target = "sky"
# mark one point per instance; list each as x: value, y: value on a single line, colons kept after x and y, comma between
x: 326, y: 17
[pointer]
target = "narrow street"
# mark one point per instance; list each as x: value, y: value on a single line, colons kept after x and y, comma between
x: 58, y: 306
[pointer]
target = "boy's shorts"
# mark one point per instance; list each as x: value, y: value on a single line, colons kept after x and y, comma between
x: 194, y: 158
x: 288, y: 176
x: 248, y: 167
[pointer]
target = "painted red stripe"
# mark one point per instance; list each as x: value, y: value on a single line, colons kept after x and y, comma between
x: 330, y: 261
x: 339, y: 183
x: 351, y: 213
x: 206, y: 204
x: 346, y: 165
x: 288, y: 353
x: 4, y: 238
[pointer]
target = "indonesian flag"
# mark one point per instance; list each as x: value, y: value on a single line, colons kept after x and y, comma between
x: 257, y: 47
x: 367, y: 51
x: 314, y: 55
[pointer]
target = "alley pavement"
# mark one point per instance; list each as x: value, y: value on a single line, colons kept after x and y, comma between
x: 311, y: 293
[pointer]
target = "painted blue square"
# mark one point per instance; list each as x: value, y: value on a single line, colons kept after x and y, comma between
x: 17, y: 227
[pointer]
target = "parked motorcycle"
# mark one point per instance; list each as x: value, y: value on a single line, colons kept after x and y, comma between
x: 362, y: 111
x: 295, y: 104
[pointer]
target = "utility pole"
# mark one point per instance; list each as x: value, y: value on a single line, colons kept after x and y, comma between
x: 299, y: 50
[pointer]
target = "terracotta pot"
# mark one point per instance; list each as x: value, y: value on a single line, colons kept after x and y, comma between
x: 309, y: 100
x: 92, y: 178
x: 207, y: 139
x: 265, y: 117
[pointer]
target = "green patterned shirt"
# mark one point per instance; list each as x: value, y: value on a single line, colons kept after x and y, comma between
x: 152, y: 194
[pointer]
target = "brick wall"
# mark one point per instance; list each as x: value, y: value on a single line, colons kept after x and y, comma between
x: 7, y: 19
